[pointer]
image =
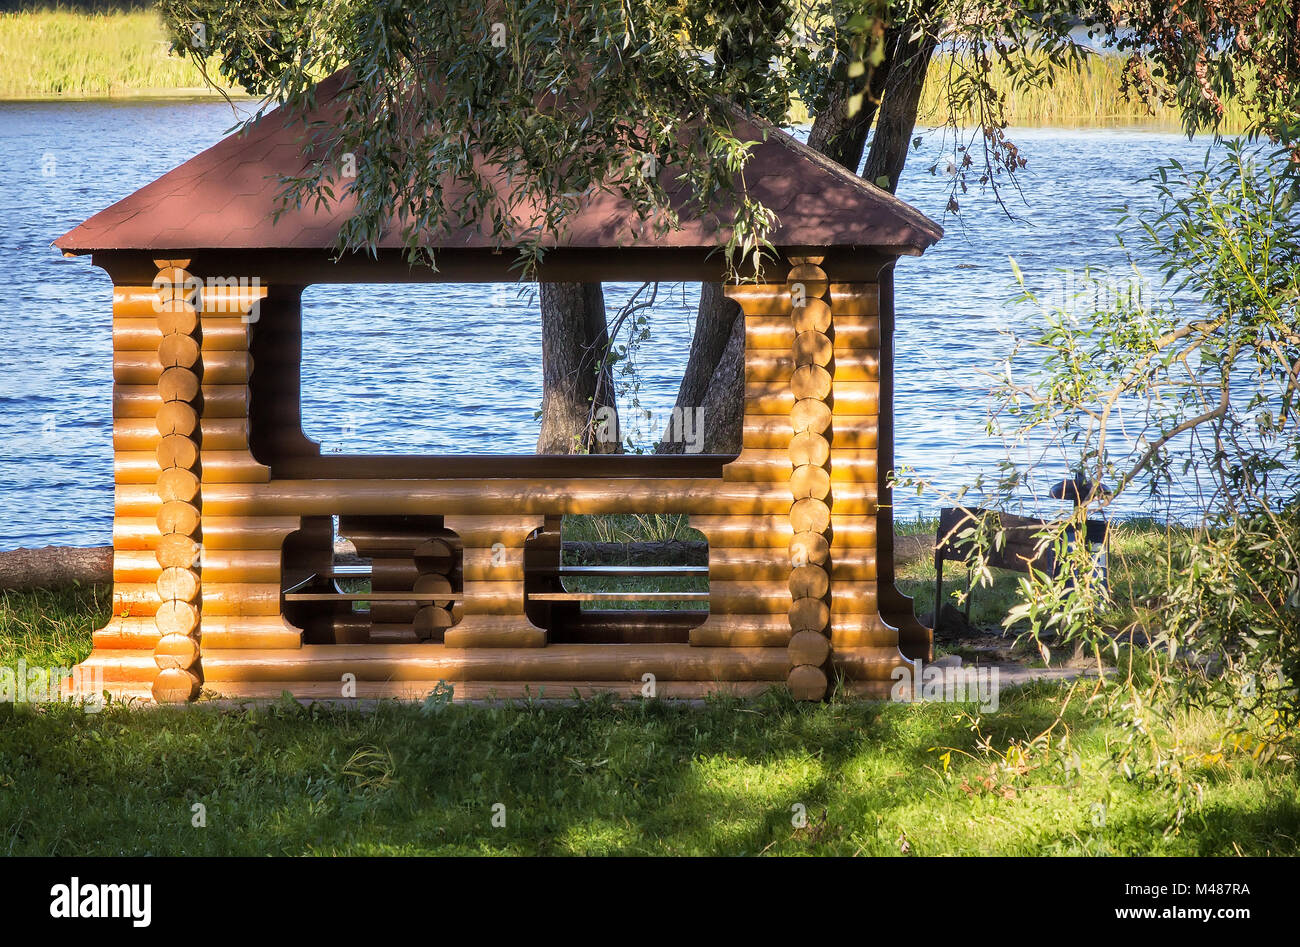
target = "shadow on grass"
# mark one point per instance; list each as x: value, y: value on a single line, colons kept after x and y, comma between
x: 596, y: 778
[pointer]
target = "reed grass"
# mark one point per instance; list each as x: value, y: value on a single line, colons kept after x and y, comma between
x: 1087, y: 96
x: 85, y: 55
x: 90, y: 54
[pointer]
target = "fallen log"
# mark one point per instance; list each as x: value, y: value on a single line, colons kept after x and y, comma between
x: 54, y: 566
x: 683, y: 552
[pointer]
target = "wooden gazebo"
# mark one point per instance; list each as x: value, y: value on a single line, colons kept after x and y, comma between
x: 225, y: 576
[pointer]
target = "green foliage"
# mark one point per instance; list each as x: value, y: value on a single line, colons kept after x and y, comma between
x: 1203, y: 54
x: 1200, y: 382
x: 443, y: 104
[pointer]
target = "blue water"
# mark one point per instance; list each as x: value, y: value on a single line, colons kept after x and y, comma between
x: 450, y: 366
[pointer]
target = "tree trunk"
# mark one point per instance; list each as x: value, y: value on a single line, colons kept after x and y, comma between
x: 714, y: 323
x: 723, y: 405
x: 51, y: 567
x: 892, y: 99
x: 896, y: 120
x: 835, y: 133
x: 575, y: 341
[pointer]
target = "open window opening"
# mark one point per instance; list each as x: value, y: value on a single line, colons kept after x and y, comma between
x: 622, y: 579
x: 372, y: 579
x: 454, y: 369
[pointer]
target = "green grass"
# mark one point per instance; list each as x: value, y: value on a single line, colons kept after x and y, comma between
x: 1136, y: 554
x: 595, y: 777
x: 62, y: 53
x: 598, y: 778
x: 49, y: 629
x: 631, y: 528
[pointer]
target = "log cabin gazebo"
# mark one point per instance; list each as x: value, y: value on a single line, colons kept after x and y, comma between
x: 224, y: 570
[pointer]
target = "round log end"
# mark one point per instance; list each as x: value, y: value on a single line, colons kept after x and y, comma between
x: 177, y: 483
x: 807, y: 682
x: 177, y: 316
x: 810, y: 481
x: 809, y: 549
x: 809, y: 614
x: 178, y: 350
x: 177, y: 417
x: 811, y: 277
x: 177, y: 516
x: 175, y: 686
x: 177, y: 450
x: 810, y: 515
x: 810, y: 414
x: 176, y: 651
x: 809, y: 582
x: 813, y: 317
x: 433, y: 556
x: 177, y: 618
x: 813, y: 348
x: 176, y: 584
x: 811, y: 381
x: 809, y: 448
x: 810, y: 648
x: 178, y: 384
x: 431, y: 620
x: 177, y: 550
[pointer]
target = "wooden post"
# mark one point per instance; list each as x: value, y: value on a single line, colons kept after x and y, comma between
x: 748, y: 588
x: 812, y: 355
x: 491, y: 613
x: 179, y: 473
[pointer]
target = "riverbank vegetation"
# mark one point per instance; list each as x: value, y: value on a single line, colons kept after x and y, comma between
x: 70, y: 54
x: 108, y: 53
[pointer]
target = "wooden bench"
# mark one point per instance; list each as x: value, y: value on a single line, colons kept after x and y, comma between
x: 625, y: 572
x: 1021, y: 552
x: 293, y: 593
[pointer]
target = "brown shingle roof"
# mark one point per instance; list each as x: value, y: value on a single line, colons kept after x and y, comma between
x: 225, y: 198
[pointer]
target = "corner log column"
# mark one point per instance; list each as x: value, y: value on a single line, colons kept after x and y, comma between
x: 812, y: 425
x: 176, y: 653
x: 810, y: 482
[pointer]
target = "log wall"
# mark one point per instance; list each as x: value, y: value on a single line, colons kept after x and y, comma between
x: 199, y: 535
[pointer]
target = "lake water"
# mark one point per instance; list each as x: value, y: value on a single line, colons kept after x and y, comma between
x: 468, y: 358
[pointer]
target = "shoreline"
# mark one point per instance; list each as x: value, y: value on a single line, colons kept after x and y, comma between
x: 124, y: 56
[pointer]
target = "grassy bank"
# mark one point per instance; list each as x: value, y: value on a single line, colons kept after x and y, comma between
x: 67, y: 54
x: 637, y: 778
x: 600, y: 778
